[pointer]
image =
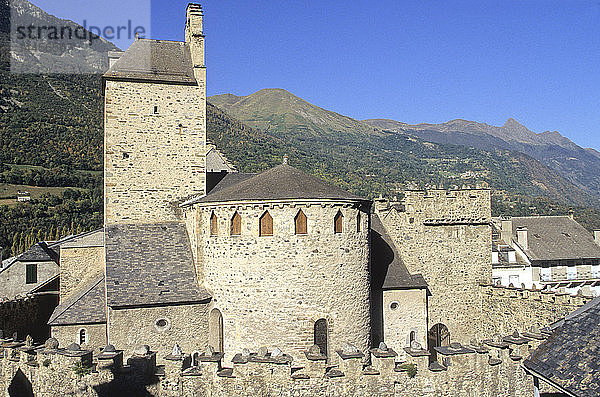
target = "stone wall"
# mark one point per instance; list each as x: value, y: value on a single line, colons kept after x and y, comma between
x: 508, y: 309
x: 96, y: 335
x: 28, y: 316
x: 186, y: 325
x: 48, y: 372
x: 153, y: 161
x: 404, y: 311
x: 271, y: 290
x: 12, y: 279
x: 79, y: 266
x: 445, y: 236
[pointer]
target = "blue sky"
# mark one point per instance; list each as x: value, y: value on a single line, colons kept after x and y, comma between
x: 412, y: 61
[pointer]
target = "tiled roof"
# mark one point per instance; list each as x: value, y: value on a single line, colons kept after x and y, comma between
x: 278, y: 183
x: 150, y: 264
x: 569, y: 357
x: 86, y: 306
x: 155, y: 60
x: 387, y: 268
x: 556, y: 237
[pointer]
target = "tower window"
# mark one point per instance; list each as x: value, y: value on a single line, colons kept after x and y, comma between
x: 83, y: 336
x: 265, y: 225
x: 214, y: 225
x: 31, y: 273
x: 300, y: 223
x: 338, y: 222
x: 358, y: 225
x: 155, y: 109
x: 236, y: 224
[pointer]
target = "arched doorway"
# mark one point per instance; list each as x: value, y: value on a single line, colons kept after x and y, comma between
x: 438, y: 335
x: 320, y: 335
x: 215, y: 330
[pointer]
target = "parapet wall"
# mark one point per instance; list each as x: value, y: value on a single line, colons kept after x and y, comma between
x: 27, y: 316
x: 508, y: 308
x: 483, y: 370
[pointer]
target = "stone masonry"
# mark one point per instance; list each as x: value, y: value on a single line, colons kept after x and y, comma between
x: 445, y: 235
x: 272, y: 289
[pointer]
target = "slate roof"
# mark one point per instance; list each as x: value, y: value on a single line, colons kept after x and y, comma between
x: 278, y: 183
x: 569, y: 357
x: 387, y: 263
x: 39, y: 252
x: 150, y: 264
x: 86, y: 306
x: 154, y: 60
x: 556, y: 237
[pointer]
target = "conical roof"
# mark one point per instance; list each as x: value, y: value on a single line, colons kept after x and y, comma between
x: 283, y: 182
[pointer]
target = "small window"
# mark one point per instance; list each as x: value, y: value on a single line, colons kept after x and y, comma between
x: 394, y: 305
x: 214, y: 225
x: 155, y: 109
x: 236, y: 224
x: 300, y: 222
x: 358, y: 225
x: 31, y: 273
x: 265, y: 225
x: 125, y: 155
x: 338, y: 222
x: 162, y: 324
x: 83, y: 336
x: 412, y: 337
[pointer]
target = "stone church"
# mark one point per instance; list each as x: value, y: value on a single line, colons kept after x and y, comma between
x: 195, y: 254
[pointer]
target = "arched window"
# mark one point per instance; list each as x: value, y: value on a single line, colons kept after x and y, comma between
x: 320, y: 335
x: 412, y: 337
x: 265, y: 225
x: 358, y: 225
x: 83, y: 337
x: 300, y: 222
x: 215, y: 330
x: 236, y: 224
x: 214, y: 225
x: 338, y: 222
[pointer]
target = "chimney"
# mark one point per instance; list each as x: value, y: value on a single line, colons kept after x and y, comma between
x: 194, y: 36
x: 506, y: 230
x: 597, y: 236
x: 522, y: 237
x: 571, y: 214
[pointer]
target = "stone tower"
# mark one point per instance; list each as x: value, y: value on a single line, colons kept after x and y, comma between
x: 155, y: 127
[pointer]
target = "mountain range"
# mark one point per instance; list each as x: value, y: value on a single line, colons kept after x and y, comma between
x: 51, y: 125
x: 503, y: 158
x: 581, y: 166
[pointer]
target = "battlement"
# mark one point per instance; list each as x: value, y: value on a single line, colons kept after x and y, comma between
x: 493, y: 367
x: 509, y: 308
x: 441, y: 206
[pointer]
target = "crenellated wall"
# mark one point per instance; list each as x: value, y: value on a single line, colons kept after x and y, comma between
x: 462, y: 371
x: 508, y: 309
